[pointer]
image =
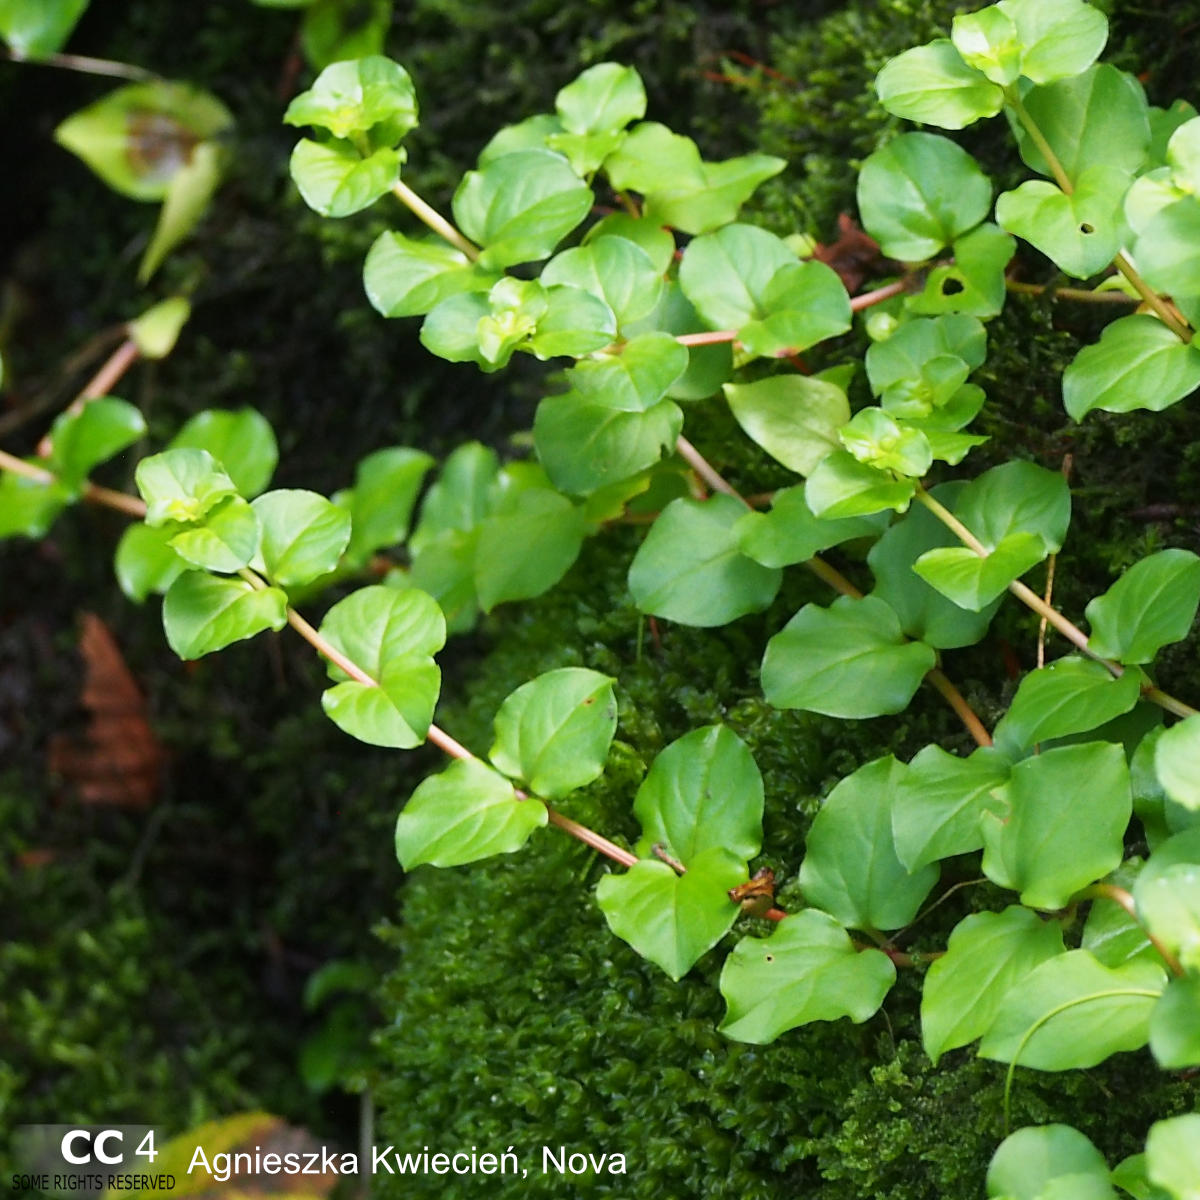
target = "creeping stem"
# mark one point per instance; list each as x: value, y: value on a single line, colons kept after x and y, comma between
x: 434, y: 219
x: 1118, y: 895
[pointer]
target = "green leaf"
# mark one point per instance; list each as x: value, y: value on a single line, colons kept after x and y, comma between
x: 1099, y: 116
x: 988, y: 955
x: 1016, y: 497
x: 808, y: 970
x: 635, y: 379
x: 689, y: 569
x: 708, y: 366
x: 1072, y: 695
x: 939, y: 800
x: 181, y: 484
x: 225, y: 539
x: 145, y: 561
x: 1058, y: 38
x: 726, y: 274
x: 533, y: 133
x: 549, y: 528
x: 702, y: 793
x: 35, y: 29
x: 519, y: 206
x: 1177, y: 762
x: 81, y: 440
x: 157, y: 330
x: 1059, y: 823
x: 461, y: 497
x: 656, y: 241
x: 903, y: 355
x: 988, y: 41
x: 30, y: 506
x: 466, y: 813
x: 932, y: 84
x: 303, y: 536
x: 1152, y: 605
x: 1028, y: 1164
x: 335, y: 30
x: 974, y: 283
x: 575, y: 323
x: 878, y: 441
x: 1167, y: 894
x: 1137, y: 364
x: 1165, y: 248
x: 1081, y: 233
x: 406, y: 277
x: 240, y: 440
x: 850, y: 868
x: 445, y: 568
x: 726, y: 187
x: 653, y: 159
x: 1110, y: 932
x: 974, y: 582
x: 138, y: 137
x: 920, y: 192
x: 923, y: 611
x: 841, y: 486
x: 188, y: 194
x: 357, y: 97
x: 613, y: 269
x: 396, y: 712
x: 336, y: 180
x: 605, y: 97
x: 794, y: 418
x: 554, y: 732
x: 203, y: 613
x: 848, y: 660
x: 1183, y: 151
x: 374, y: 625
x: 789, y: 533
x: 673, y: 919
x: 451, y: 331
x: 381, y: 502
x: 1175, y: 1025
x: 1072, y: 1012
x: 806, y: 303
x: 1173, y: 1156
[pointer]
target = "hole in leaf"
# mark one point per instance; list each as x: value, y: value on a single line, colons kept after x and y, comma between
x: 770, y: 958
x: 952, y: 287
x: 1086, y: 228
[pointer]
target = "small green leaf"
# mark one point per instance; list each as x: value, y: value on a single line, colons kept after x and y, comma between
x: 1058, y: 38
x: 634, y: 380
x: 336, y: 180
x: 396, y: 712
x: 903, y: 356
x: 789, y: 533
x: 932, y: 84
x: 1173, y: 1156
x: 334, y: 30
x: 1081, y: 233
x: 841, y: 486
x: 1138, y: 363
x: 1072, y: 695
x: 445, y: 568
x: 850, y: 869
x: 1152, y: 605
x: 82, y: 440
x: 381, y: 502
x: 554, y: 732
x: 656, y: 241
x: 880, y: 442
x: 848, y: 660
x: 240, y: 440
x: 673, y: 919
x: 35, y: 29
x: 1016, y: 497
x: 920, y: 192
x: 794, y: 418
x: 702, y: 793
x: 938, y: 803
x: 974, y: 283
x: 407, y: 277
x: 575, y: 323
x: 374, y: 625
x: 1059, y: 823
x: 605, y: 97
x: 653, y: 159
x: 551, y: 530
x: 225, y: 539
x: 29, y: 507
x: 533, y: 133
x: 303, y: 536
x: 1072, y: 1012
x: 519, y: 206
x: 1099, y: 116
x: 466, y: 813
x: 188, y: 195
x: 805, y: 303
x: 145, y: 561
x: 157, y: 330
x: 689, y: 569
x: 987, y: 956
x: 203, y: 613
x: 613, y: 269
x: 1177, y: 762
x: 988, y: 42
x: 708, y: 366
x: 357, y: 97
x: 181, y: 484
x: 461, y: 497
x: 1031, y: 1162
x: 726, y: 187
x: 808, y: 970
x: 973, y: 582
x: 1175, y: 1025
x: 451, y: 330
x: 726, y: 274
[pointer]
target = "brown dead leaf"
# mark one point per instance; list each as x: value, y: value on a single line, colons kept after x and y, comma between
x: 852, y: 256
